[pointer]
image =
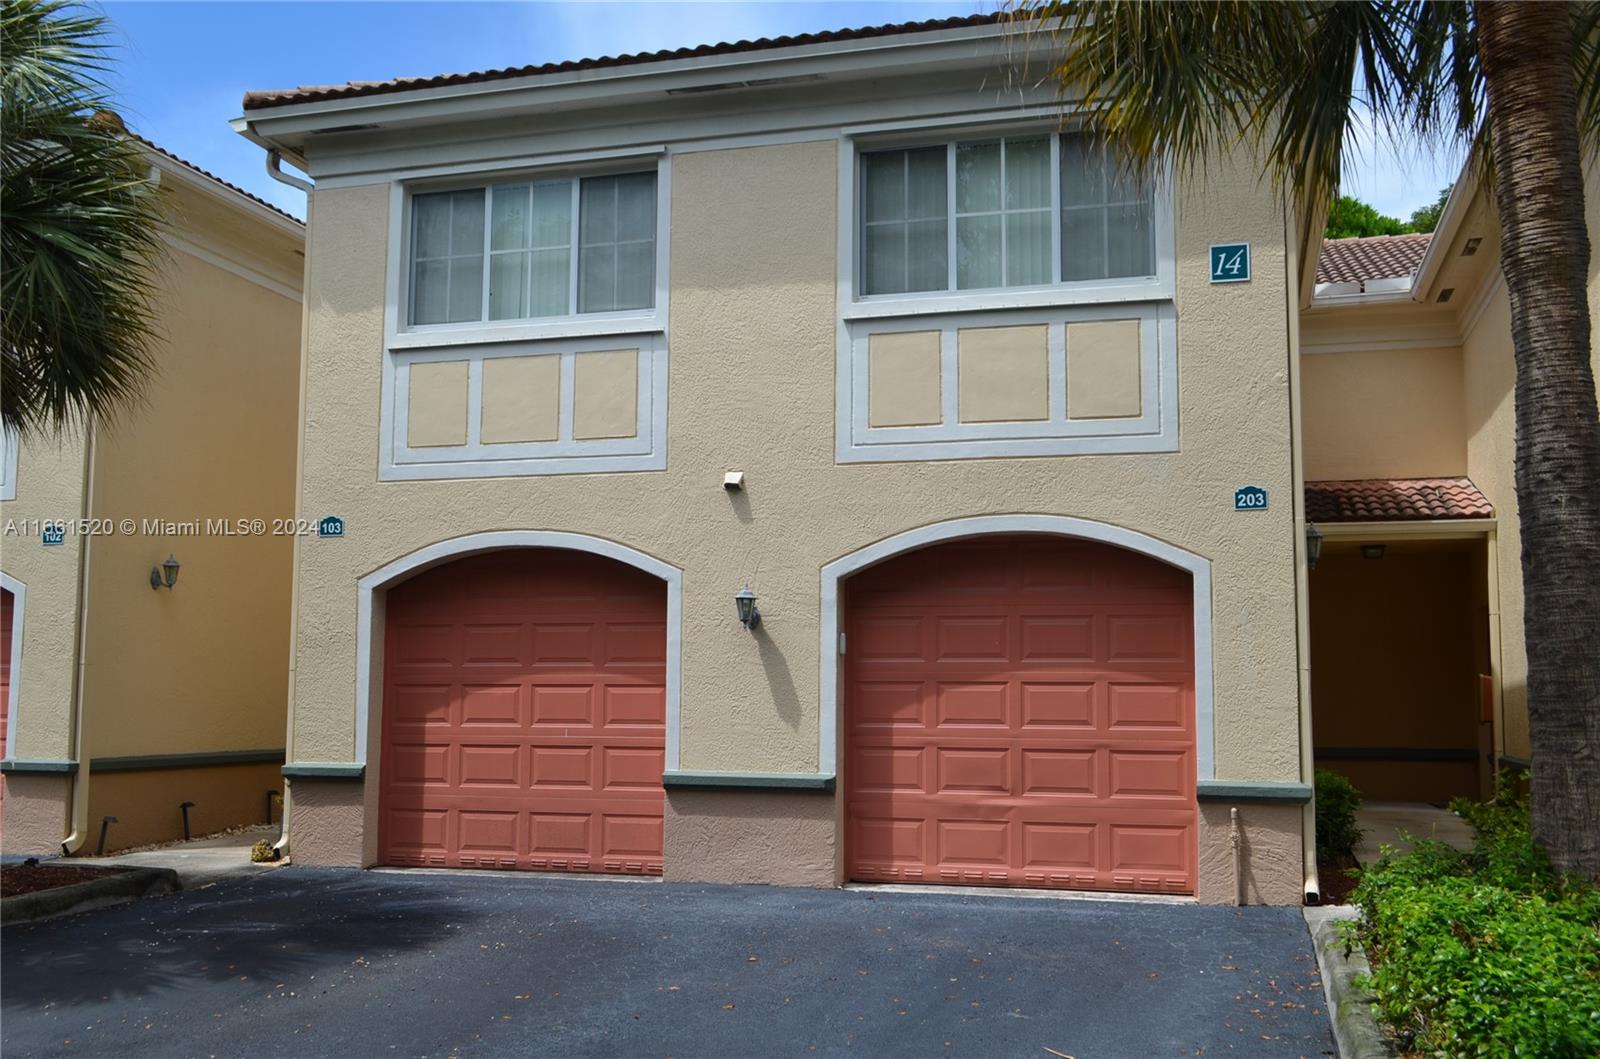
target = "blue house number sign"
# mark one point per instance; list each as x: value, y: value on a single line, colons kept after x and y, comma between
x: 1250, y: 498
x: 331, y: 526
x: 1230, y: 263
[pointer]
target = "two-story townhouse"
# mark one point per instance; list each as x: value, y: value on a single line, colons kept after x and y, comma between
x: 145, y: 572
x: 857, y: 322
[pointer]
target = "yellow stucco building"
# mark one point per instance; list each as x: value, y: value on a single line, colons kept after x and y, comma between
x: 124, y: 699
x: 813, y: 461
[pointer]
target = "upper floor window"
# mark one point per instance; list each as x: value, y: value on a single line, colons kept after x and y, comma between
x: 1013, y: 212
x: 534, y: 248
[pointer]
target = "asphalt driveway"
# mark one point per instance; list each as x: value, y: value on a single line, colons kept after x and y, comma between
x: 303, y: 962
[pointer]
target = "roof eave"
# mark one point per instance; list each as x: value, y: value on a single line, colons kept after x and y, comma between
x: 285, y: 126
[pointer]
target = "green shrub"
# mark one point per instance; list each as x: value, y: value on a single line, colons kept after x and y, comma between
x: 1337, y: 802
x: 262, y: 852
x: 1487, y: 952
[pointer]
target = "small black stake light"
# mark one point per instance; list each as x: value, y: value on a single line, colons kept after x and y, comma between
x: 165, y: 575
x: 745, y: 600
x: 1313, y: 545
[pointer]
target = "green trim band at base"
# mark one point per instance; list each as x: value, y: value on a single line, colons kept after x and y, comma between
x: 1252, y: 791
x: 1462, y: 755
x: 60, y: 768
x: 1506, y: 761
x: 680, y: 779
x: 204, y: 759
x: 325, y: 770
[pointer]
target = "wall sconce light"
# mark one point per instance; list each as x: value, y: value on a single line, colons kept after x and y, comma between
x: 165, y: 575
x: 1373, y: 551
x: 745, y: 601
x: 1313, y: 545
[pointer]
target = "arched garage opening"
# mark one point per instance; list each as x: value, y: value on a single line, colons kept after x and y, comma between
x: 524, y: 713
x: 1024, y: 710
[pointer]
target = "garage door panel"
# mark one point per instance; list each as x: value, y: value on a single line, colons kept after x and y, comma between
x: 1058, y: 638
x: 490, y: 766
x: 524, y: 716
x: 1044, y: 734
x: 563, y: 705
x: 973, y: 705
x: 492, y: 705
x: 1054, y: 704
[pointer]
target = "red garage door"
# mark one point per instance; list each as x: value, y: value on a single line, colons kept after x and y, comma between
x: 524, y: 715
x: 1020, y: 712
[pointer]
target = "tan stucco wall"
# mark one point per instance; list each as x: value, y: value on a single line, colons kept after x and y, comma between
x: 1384, y: 414
x: 50, y: 485
x: 437, y: 413
x: 1270, y: 855
x: 146, y: 804
x: 752, y: 316
x: 521, y: 399
x: 1490, y: 381
x: 605, y: 394
x: 904, y: 387
x: 204, y: 666
x: 35, y: 813
x: 1003, y: 374
x: 782, y: 839
x: 1103, y: 369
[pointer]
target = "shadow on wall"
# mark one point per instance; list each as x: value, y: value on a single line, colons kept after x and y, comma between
x: 245, y: 932
x: 779, y: 679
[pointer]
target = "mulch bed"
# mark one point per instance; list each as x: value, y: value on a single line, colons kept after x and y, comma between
x: 18, y: 879
x: 1337, y: 879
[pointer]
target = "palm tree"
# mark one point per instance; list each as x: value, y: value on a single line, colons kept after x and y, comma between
x: 79, y: 227
x: 1520, y: 84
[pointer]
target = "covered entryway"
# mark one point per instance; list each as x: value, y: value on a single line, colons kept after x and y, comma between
x: 1020, y: 711
x: 524, y: 715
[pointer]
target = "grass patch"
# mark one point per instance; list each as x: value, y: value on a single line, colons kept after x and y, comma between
x: 1483, y: 953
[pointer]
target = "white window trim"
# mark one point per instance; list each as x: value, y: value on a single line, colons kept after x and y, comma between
x: 645, y: 451
x: 19, y: 606
x: 1154, y: 430
x: 9, y: 445
x: 399, y: 333
x: 564, y: 336
x: 836, y: 572
x: 853, y: 305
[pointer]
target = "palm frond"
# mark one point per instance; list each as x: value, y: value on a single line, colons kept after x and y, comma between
x: 80, y: 225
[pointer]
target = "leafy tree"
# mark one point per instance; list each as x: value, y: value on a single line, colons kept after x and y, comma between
x: 1426, y: 218
x: 80, y: 230
x: 1351, y: 218
x: 1520, y: 84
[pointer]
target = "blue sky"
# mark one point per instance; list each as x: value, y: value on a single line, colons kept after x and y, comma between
x: 183, y: 67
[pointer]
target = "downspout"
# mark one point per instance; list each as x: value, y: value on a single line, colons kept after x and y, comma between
x: 1302, y: 605
x: 274, y: 170
x: 80, y: 779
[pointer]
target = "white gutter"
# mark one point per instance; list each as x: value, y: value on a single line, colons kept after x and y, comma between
x: 80, y: 779
x: 275, y: 171
x: 1312, y: 886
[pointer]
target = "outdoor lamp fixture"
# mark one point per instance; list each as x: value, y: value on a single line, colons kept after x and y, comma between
x: 745, y: 600
x: 1313, y: 545
x: 165, y: 575
x: 1373, y: 551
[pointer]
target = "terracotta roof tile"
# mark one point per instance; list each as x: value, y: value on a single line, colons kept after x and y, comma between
x: 1395, y: 500
x: 316, y: 93
x: 1377, y: 257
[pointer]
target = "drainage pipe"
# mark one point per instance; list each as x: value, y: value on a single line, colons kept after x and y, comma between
x: 275, y: 171
x: 1302, y: 587
x: 80, y: 779
x: 1236, y: 840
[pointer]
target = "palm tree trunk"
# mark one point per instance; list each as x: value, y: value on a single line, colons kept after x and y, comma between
x: 1527, y: 50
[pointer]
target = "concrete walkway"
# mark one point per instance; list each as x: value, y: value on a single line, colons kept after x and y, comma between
x: 200, y: 861
x: 1384, y: 824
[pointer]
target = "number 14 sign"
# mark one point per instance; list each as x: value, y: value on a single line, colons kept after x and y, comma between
x: 1230, y: 262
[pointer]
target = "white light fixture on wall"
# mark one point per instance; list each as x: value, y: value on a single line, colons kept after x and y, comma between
x: 745, y: 601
